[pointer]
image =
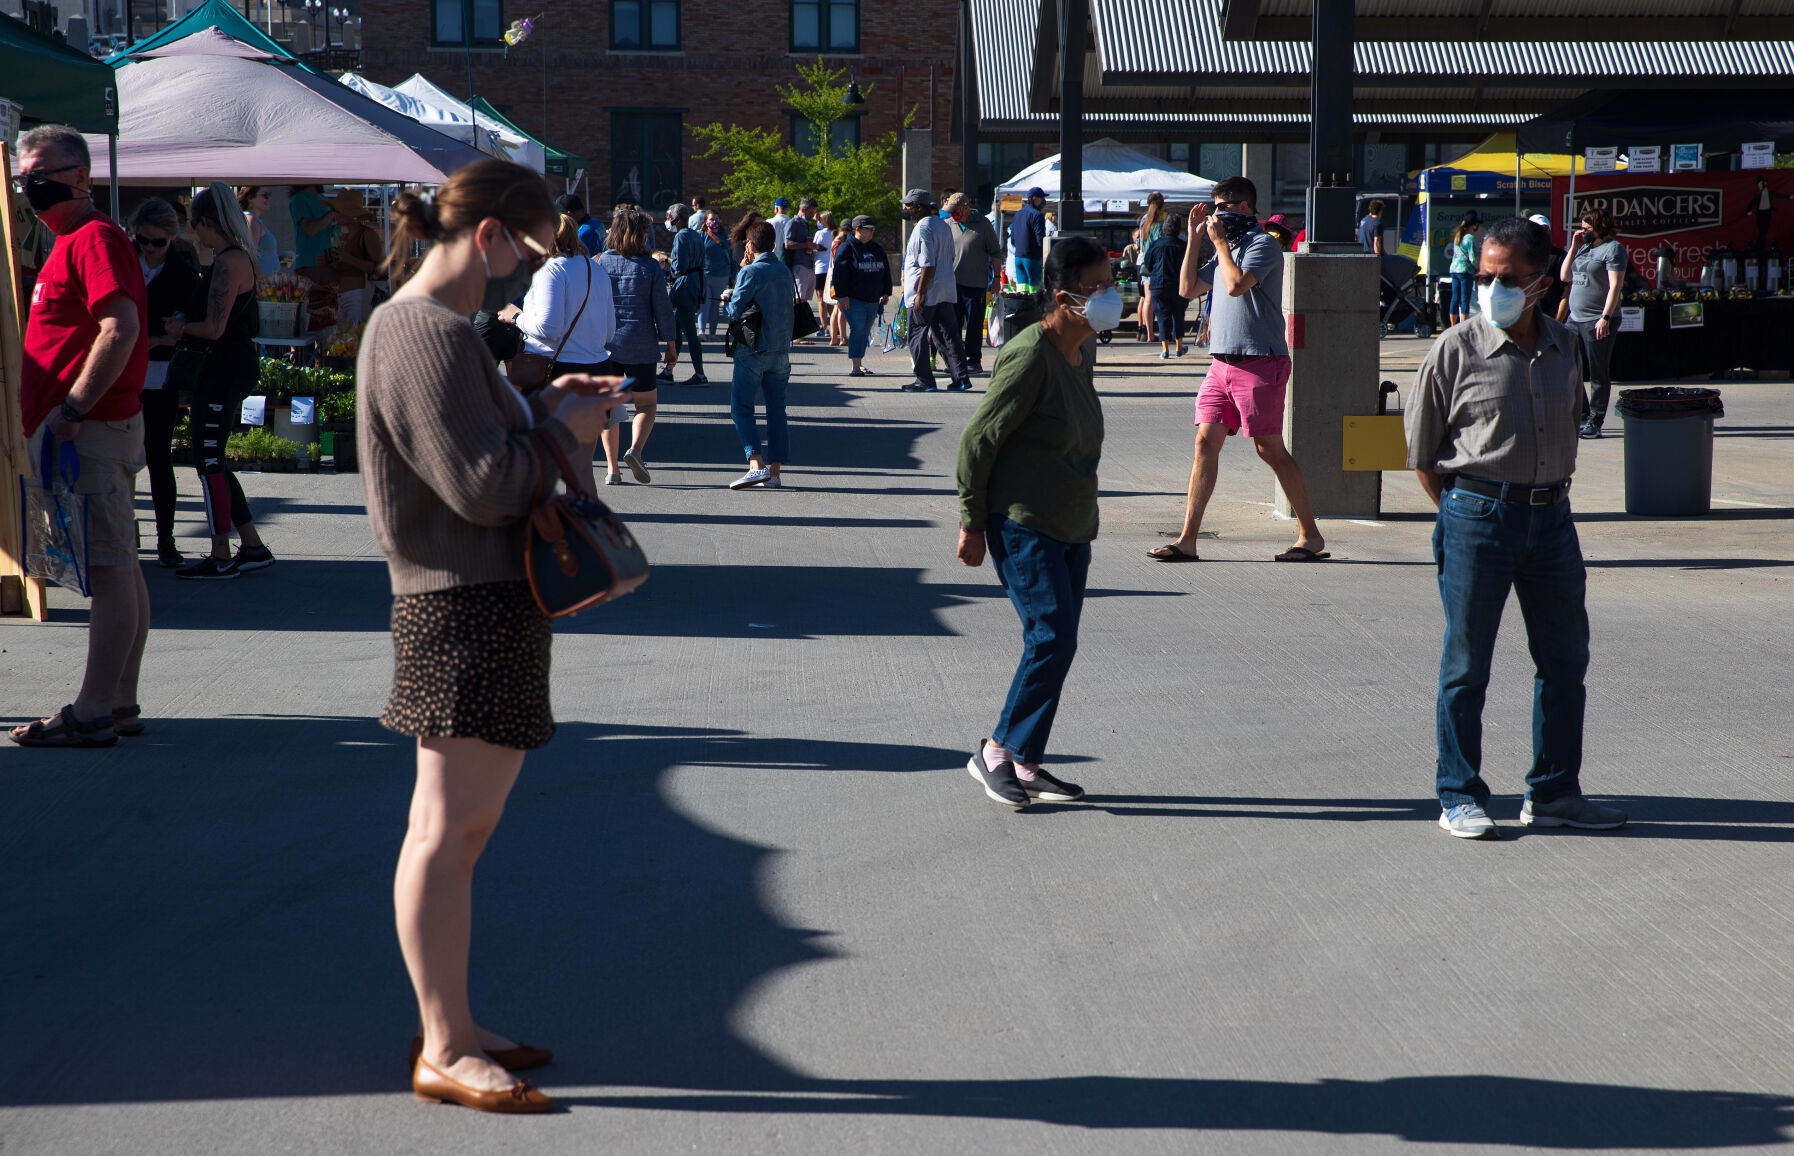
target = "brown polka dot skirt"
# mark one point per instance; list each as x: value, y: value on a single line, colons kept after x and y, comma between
x: 471, y: 662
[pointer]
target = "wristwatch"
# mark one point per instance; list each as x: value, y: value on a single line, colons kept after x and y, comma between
x: 71, y: 414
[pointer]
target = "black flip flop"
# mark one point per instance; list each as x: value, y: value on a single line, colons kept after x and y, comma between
x: 1301, y: 554
x: 1176, y: 555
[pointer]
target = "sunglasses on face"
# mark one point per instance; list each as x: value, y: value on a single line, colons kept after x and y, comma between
x: 1220, y: 204
x: 18, y: 182
x: 539, y: 253
x: 1505, y: 280
x: 150, y: 242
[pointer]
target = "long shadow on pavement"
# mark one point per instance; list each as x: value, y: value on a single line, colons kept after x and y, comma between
x: 205, y: 914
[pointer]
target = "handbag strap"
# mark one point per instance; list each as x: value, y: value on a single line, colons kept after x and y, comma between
x: 551, y: 455
x: 565, y: 337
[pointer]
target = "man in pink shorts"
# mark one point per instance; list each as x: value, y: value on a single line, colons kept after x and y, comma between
x: 1246, y: 384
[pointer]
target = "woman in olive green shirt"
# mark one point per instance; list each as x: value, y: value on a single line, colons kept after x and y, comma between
x: 1027, y: 494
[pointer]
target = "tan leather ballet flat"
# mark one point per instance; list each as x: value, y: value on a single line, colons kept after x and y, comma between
x: 518, y: 1059
x: 521, y: 1098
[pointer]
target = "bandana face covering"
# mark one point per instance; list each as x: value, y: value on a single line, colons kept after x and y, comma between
x: 1236, y: 225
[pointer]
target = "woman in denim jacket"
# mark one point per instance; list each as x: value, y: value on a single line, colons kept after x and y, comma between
x: 644, y: 325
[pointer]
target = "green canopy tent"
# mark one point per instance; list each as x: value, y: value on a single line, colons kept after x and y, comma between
x: 560, y: 162
x: 212, y: 14
x: 54, y: 84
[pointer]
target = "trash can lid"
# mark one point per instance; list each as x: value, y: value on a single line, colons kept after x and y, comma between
x: 1665, y: 402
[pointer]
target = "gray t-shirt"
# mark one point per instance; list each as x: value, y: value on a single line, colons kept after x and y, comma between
x: 1250, y: 325
x: 1588, y: 292
x: 1368, y: 230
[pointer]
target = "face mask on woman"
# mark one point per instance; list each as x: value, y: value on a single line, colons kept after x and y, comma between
x: 1502, y: 304
x: 1102, y: 309
x: 501, y: 291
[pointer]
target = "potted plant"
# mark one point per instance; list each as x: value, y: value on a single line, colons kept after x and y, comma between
x: 336, y: 421
x: 278, y: 302
x: 261, y: 449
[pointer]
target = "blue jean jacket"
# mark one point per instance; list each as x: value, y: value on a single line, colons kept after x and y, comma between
x: 768, y: 284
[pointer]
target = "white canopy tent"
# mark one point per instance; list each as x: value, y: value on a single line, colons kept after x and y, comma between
x: 424, y: 113
x: 1112, y: 172
x: 248, y: 118
x: 522, y: 149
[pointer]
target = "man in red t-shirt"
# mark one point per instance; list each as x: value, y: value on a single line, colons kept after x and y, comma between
x: 86, y: 349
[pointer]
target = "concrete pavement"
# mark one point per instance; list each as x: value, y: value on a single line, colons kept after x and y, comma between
x: 753, y: 901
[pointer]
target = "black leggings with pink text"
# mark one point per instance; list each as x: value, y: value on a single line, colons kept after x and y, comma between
x: 217, y: 409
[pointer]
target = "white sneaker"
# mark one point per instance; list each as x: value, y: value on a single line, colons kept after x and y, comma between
x: 757, y: 477
x: 1469, y: 821
x: 771, y: 483
x: 613, y: 479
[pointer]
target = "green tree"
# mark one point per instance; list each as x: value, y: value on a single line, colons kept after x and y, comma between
x: 761, y: 166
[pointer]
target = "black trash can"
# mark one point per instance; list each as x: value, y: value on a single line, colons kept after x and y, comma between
x: 1669, y: 449
x: 1019, y: 310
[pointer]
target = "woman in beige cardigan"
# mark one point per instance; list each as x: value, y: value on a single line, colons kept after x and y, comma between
x: 450, y: 470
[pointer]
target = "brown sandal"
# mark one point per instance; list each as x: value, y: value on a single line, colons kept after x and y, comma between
x: 127, y: 721
x: 65, y: 730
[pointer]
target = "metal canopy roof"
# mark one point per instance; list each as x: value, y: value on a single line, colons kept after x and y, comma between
x: 1018, y: 93
x: 1523, y: 20
x: 1181, y: 42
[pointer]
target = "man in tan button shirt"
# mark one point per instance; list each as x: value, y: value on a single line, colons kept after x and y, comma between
x: 1491, y: 425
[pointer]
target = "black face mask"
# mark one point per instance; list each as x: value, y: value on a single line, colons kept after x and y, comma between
x: 44, y: 193
x: 1236, y: 225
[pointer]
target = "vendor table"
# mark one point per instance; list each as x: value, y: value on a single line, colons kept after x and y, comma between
x: 1757, y: 334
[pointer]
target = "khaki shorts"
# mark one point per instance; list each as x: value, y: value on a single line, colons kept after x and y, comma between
x: 111, y: 453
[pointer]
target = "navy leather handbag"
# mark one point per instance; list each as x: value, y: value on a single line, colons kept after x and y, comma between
x: 579, y: 552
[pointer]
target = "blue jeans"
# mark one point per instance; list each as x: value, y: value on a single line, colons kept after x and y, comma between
x: 1484, y: 548
x: 1044, y: 579
x: 860, y: 316
x: 710, y: 313
x: 1462, y: 293
x: 768, y: 374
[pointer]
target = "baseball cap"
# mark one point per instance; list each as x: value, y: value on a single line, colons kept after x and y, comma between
x: 1540, y: 219
x: 782, y: 203
x: 917, y: 197
x: 678, y: 207
x: 864, y: 222
x: 1036, y: 191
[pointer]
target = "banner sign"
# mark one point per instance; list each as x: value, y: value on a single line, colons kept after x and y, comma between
x: 1757, y: 155
x: 1645, y: 159
x: 1602, y: 160
x: 1631, y: 319
x: 1689, y: 213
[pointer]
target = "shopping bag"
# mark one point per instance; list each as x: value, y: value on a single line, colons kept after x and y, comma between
x: 998, y: 331
x: 55, y: 531
x: 899, y: 327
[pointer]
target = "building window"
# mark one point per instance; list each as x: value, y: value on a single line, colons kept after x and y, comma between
x: 449, y: 21
x: 1217, y: 162
x: 644, y: 25
x: 645, y: 158
x: 843, y: 134
x: 825, y: 25
x: 1177, y: 155
x: 998, y: 163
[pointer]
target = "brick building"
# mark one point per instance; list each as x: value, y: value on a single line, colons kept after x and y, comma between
x: 621, y: 82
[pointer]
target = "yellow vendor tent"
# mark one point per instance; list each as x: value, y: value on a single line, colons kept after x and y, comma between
x: 1492, y: 177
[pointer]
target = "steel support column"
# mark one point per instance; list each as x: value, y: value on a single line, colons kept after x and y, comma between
x: 1332, y: 199
x: 968, y: 107
x: 1073, y: 15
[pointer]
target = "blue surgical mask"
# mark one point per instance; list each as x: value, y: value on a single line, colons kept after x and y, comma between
x: 1502, y: 305
x: 1102, y: 309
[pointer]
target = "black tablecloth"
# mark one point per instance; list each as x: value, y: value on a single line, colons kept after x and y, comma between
x: 1736, y: 335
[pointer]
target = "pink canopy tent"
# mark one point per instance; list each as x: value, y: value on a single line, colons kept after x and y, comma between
x: 220, y: 110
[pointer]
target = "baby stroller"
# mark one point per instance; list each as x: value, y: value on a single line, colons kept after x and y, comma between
x: 1401, y: 295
